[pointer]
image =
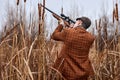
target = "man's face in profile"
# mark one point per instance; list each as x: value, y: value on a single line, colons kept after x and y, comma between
x: 77, y: 23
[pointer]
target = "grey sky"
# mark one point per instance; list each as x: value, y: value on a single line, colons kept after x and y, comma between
x: 90, y: 8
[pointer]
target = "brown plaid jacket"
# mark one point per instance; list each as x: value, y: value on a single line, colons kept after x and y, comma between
x: 73, y: 62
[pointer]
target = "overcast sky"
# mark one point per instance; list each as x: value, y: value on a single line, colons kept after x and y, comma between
x: 90, y: 8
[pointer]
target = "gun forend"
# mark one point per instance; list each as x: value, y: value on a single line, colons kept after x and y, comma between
x: 56, y: 16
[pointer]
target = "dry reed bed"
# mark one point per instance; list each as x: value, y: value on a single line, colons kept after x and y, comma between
x: 27, y: 55
x: 23, y: 59
x: 106, y: 64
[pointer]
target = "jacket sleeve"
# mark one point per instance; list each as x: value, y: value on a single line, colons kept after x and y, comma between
x: 59, y: 34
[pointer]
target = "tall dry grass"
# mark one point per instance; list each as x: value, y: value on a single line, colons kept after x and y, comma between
x: 26, y: 53
x: 106, y: 61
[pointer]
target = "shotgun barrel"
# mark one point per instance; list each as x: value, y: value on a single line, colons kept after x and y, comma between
x: 63, y: 17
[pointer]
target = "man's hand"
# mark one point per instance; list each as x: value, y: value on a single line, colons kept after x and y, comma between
x: 64, y: 23
x: 60, y: 21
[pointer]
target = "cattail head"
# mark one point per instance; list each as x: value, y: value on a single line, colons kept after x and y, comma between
x: 24, y: 1
x: 96, y: 24
x: 116, y: 12
x: 113, y: 14
x: 99, y: 25
x: 39, y: 10
x: 62, y: 10
x: 17, y: 2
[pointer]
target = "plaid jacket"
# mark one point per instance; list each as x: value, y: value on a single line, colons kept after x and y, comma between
x: 73, y: 62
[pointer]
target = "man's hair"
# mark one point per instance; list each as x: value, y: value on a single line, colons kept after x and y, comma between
x: 86, y: 22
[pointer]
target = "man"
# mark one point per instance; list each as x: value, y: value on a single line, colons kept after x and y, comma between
x: 73, y: 62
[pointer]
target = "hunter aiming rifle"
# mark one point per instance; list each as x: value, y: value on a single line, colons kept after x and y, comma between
x: 66, y: 19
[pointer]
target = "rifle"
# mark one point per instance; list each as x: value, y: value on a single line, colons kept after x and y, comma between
x: 63, y: 17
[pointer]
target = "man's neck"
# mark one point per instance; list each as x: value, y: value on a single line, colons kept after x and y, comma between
x: 80, y: 26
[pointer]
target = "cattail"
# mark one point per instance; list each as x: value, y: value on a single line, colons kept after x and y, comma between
x: 99, y: 24
x: 39, y: 10
x: 113, y: 15
x: 24, y: 1
x: 96, y: 24
x: 43, y: 10
x: 116, y: 12
x: 17, y: 2
x: 62, y: 10
x: 5, y: 28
